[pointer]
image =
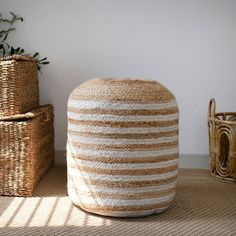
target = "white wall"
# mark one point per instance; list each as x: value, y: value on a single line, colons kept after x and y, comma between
x: 189, y: 46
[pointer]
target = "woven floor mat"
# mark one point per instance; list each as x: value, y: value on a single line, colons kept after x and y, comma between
x: 203, y: 206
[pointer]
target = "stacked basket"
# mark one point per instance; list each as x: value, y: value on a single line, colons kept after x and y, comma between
x: 26, y: 129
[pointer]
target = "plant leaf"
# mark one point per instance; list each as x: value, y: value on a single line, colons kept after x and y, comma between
x: 14, y: 15
x: 17, y: 50
x: 36, y: 54
x: 3, y: 51
x: 12, y: 51
x: 21, y: 51
x: 5, y: 37
x: 45, y: 58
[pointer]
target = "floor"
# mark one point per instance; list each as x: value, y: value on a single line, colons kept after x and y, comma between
x: 203, y: 206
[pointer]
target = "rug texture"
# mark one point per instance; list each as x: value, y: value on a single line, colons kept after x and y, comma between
x: 203, y: 206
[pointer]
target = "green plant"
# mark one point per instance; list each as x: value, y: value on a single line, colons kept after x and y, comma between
x: 6, y: 27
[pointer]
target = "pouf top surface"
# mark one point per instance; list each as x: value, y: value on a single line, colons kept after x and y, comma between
x: 122, y: 89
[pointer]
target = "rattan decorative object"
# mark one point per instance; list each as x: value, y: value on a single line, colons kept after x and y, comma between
x: 222, y: 143
x: 122, y: 149
x: 19, y: 90
x: 26, y: 150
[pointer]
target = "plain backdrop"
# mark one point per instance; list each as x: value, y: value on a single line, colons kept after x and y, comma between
x: 187, y: 45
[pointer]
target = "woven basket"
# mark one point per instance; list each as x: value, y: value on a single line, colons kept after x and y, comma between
x: 222, y: 143
x: 122, y: 149
x: 19, y: 89
x: 26, y: 150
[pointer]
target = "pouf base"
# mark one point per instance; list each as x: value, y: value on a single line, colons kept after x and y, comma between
x: 125, y: 214
x: 121, y: 213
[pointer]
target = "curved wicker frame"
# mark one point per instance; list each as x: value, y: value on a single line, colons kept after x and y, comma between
x: 222, y: 143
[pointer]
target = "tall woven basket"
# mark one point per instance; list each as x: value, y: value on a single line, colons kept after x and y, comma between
x: 122, y: 149
x: 222, y: 143
x: 19, y: 89
x: 26, y: 150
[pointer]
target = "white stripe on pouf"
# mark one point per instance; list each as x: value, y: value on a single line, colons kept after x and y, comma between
x: 120, y: 166
x: 120, y: 130
x: 87, y: 104
x: 85, y: 199
x: 122, y: 118
x: 83, y: 186
x: 95, y: 140
x: 123, y: 153
x: 76, y: 173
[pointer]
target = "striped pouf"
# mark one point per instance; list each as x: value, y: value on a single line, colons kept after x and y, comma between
x: 122, y: 148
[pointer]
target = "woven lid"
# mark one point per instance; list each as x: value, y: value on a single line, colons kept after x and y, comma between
x: 113, y: 89
x: 18, y: 58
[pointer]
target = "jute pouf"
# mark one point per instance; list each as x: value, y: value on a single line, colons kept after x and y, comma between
x: 122, y: 149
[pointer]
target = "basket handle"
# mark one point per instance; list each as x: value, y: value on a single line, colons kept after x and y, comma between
x: 212, y: 108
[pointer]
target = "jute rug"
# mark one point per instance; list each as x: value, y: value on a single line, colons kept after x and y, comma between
x: 203, y: 206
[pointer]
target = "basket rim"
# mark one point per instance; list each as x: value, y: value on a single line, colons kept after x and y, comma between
x: 215, y: 118
x: 18, y: 58
x: 28, y: 115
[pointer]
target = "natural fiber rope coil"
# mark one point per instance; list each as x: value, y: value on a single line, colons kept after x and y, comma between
x: 122, y: 149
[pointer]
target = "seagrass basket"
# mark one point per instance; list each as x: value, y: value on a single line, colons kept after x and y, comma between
x: 26, y: 150
x: 222, y: 143
x: 122, y: 147
x: 19, y: 89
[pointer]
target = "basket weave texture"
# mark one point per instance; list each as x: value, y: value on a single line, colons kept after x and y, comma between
x: 26, y: 150
x: 122, y: 149
x: 222, y: 143
x: 19, y: 89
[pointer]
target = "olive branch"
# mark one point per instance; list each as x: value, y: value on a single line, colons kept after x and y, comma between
x: 7, y: 27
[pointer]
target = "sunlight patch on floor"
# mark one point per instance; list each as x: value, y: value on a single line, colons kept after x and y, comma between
x: 47, y: 211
